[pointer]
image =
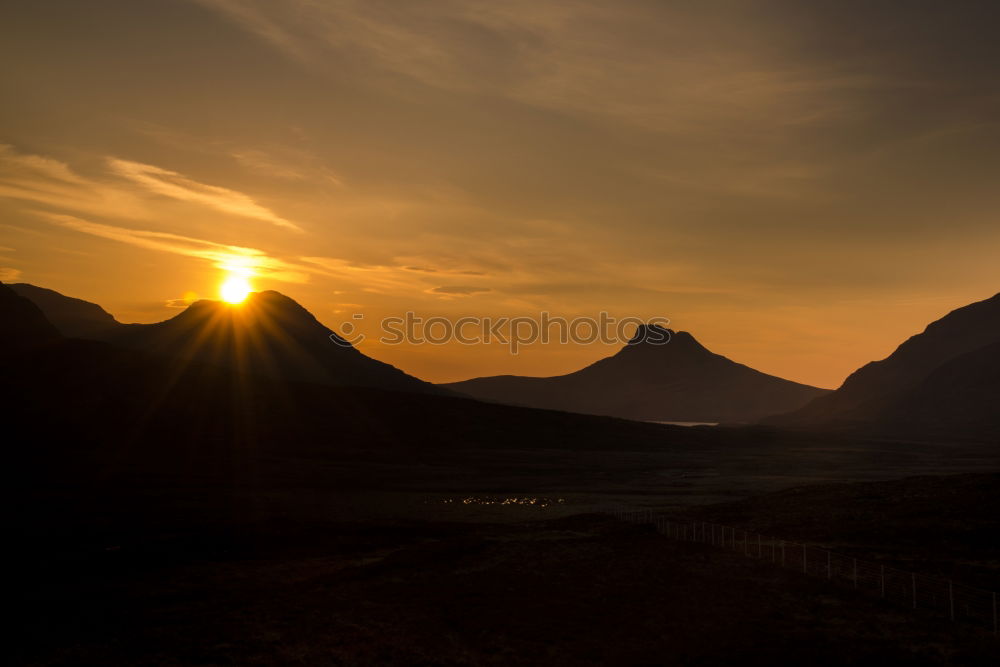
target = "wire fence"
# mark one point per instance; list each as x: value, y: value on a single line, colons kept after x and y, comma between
x: 918, y: 591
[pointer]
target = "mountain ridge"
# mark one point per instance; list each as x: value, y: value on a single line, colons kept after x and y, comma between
x: 943, y: 378
x: 677, y: 380
x: 269, y: 334
x: 73, y: 317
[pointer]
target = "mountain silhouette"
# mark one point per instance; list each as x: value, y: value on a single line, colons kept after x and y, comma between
x: 22, y: 324
x: 945, y: 379
x: 678, y: 380
x: 116, y: 412
x: 269, y: 335
x: 74, y: 318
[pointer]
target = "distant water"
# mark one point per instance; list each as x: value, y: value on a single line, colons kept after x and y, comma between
x: 689, y: 423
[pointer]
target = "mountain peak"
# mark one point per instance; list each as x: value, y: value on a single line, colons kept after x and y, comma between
x: 661, y: 375
x: 272, y: 310
x: 653, y: 337
x: 268, y: 334
x: 653, y: 334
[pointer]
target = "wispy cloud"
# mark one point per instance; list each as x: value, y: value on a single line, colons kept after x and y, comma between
x: 375, y: 278
x: 459, y: 290
x: 222, y: 256
x: 300, y: 166
x: 182, y: 302
x: 431, y: 269
x: 172, y: 184
x: 8, y: 274
x: 54, y: 183
x: 371, y: 278
x: 650, y: 65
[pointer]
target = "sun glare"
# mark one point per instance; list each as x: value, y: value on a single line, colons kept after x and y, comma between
x: 235, y: 289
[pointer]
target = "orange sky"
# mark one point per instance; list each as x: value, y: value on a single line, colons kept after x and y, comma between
x: 800, y: 187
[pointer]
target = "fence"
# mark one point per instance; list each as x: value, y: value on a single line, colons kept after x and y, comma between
x: 957, y: 601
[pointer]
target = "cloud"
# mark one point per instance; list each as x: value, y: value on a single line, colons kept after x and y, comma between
x: 428, y: 269
x: 657, y: 65
x: 290, y: 166
x: 174, y: 185
x: 463, y: 290
x: 8, y: 274
x: 376, y: 278
x: 225, y: 257
x: 53, y: 183
x: 183, y: 302
x: 373, y: 278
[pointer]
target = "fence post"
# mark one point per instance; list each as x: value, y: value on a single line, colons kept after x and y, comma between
x: 829, y: 565
x: 760, y: 547
x: 805, y: 567
x: 951, y: 600
x: 782, y: 553
x: 855, y: 572
x: 774, y: 551
x: 913, y: 578
x: 994, y: 613
x: 882, y: 567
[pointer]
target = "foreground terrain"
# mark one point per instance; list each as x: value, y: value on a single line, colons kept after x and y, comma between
x: 180, y: 513
x: 200, y: 573
x: 575, y: 590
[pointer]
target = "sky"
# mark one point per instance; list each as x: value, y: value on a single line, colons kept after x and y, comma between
x: 801, y: 186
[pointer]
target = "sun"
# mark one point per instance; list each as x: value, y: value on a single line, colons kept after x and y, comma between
x: 235, y: 289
